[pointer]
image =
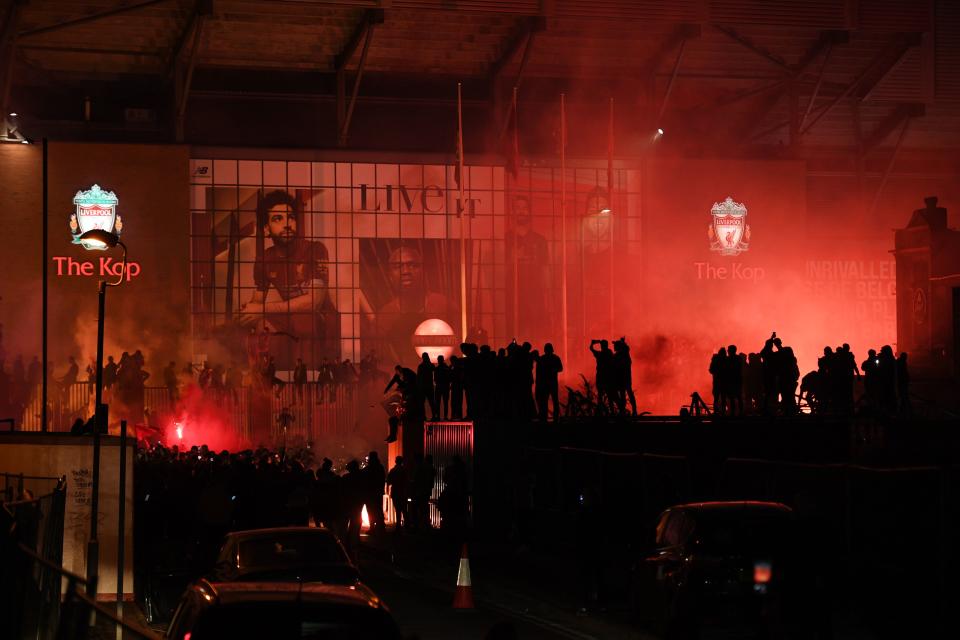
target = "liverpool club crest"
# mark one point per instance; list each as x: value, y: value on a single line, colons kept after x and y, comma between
x: 96, y: 209
x: 729, y: 232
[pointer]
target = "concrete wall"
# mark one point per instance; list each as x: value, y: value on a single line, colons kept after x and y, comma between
x: 72, y: 456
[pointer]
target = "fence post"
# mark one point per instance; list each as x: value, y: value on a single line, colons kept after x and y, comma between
x: 121, y: 529
x: 946, y: 559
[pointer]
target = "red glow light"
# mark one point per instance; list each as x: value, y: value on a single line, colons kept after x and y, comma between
x: 762, y: 572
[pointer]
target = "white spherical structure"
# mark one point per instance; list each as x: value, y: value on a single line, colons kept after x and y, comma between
x: 435, y: 338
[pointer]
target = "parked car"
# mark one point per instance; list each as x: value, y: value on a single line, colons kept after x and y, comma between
x: 722, y: 565
x: 281, y: 610
x: 308, y: 554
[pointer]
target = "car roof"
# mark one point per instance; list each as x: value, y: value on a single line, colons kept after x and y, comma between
x: 731, y: 505
x: 239, y: 592
x: 256, y: 533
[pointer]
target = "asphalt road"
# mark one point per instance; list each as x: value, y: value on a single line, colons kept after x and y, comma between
x: 419, y: 591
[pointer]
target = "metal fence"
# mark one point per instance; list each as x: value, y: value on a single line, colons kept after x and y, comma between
x: 79, y: 616
x: 39, y: 599
x: 443, y: 441
x: 317, y: 410
x: 31, y: 594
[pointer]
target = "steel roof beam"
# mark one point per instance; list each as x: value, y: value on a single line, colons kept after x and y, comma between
x: 891, y: 122
x: 201, y: 9
x: 345, y: 126
x: 734, y: 35
x: 874, y: 72
x: 370, y: 17
x: 529, y: 26
x: 116, y: 11
x: 8, y: 50
x: 898, y: 49
x: 827, y: 40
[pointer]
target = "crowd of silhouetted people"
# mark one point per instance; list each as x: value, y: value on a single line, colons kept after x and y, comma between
x: 187, y: 499
x: 768, y: 382
x: 516, y: 381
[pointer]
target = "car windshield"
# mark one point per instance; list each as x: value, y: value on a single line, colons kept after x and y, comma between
x: 742, y: 530
x: 294, y: 620
x: 290, y: 550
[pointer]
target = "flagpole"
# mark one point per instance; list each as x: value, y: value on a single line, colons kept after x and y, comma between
x: 516, y: 237
x: 563, y: 226
x: 461, y: 210
x: 610, y: 216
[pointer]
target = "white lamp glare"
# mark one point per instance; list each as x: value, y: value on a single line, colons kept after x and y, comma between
x: 659, y: 132
x: 13, y: 114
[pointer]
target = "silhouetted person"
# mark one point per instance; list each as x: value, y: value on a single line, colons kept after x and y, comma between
x: 34, y: 372
x: 788, y: 378
x: 170, y: 381
x: 109, y: 373
x: 846, y: 370
x: 397, y: 482
x: 470, y: 363
x: 903, y: 384
x: 718, y: 366
x: 887, y: 379
x: 753, y: 383
x: 323, y: 497
x: 374, y: 479
x: 442, y: 377
x: 232, y: 381
x: 425, y: 388
x: 605, y: 374
x: 768, y: 356
x: 733, y: 391
x: 424, y: 478
x: 205, y: 377
x: 394, y: 423
x: 70, y: 377
x: 406, y: 382
x: 623, y: 365
x: 454, y: 501
x: 456, y: 388
x: 484, y: 380
x: 549, y: 367
x: 826, y: 380
x: 526, y: 404
x: 870, y: 384
x: 353, y: 493
x: 346, y: 377
x: 300, y: 378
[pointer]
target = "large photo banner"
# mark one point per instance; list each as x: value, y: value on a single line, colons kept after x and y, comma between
x: 408, y: 282
x: 323, y: 262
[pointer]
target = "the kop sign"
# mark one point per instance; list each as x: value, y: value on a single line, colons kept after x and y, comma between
x: 729, y: 232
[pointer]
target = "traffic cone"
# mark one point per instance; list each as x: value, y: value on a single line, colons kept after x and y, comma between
x: 463, y: 595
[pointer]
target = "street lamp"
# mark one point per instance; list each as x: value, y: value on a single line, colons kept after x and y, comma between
x: 101, y: 240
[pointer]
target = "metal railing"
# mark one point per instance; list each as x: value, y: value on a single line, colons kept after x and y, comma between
x: 318, y: 410
x: 79, y: 608
x: 443, y: 441
x: 31, y: 596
